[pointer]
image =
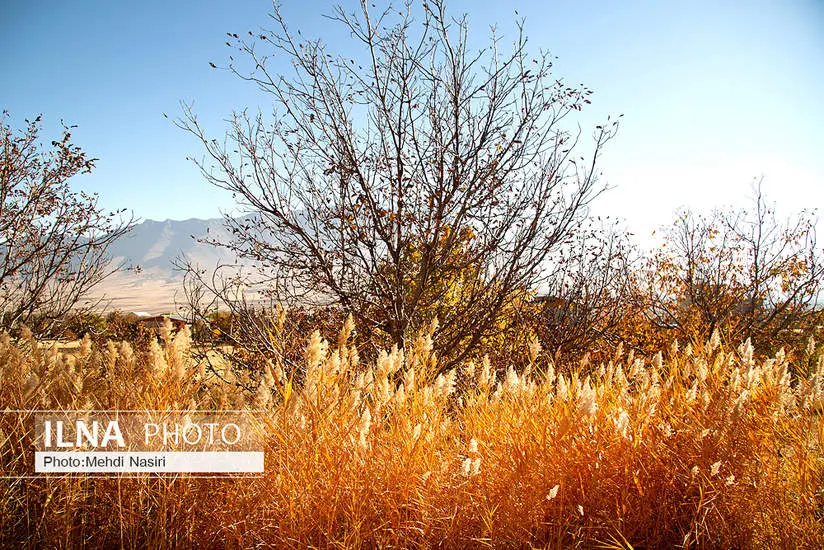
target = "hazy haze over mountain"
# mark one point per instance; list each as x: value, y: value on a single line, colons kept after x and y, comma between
x: 153, y: 246
x: 150, y: 249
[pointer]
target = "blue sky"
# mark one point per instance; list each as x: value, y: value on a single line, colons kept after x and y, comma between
x: 713, y: 93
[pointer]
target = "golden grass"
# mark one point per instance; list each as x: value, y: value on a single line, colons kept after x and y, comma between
x: 694, y: 448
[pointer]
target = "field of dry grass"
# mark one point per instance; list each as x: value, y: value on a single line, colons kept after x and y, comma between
x: 692, y: 448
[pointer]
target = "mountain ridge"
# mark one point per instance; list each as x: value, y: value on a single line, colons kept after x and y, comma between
x: 149, y: 280
x: 153, y: 245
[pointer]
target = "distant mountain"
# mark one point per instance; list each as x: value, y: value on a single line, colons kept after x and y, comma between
x: 154, y: 285
x: 152, y: 246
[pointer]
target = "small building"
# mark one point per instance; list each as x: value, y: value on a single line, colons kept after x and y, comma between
x: 156, y: 321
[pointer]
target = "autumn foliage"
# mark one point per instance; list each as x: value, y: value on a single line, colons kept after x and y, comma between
x: 53, y: 239
x: 446, y: 350
x: 698, y: 447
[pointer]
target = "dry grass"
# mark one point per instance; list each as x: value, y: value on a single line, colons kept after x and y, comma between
x: 695, y: 448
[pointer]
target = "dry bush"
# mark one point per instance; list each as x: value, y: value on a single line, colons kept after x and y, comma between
x: 54, y: 240
x: 746, y: 273
x: 703, y: 447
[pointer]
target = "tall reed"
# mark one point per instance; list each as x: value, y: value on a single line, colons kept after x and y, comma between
x: 694, y: 448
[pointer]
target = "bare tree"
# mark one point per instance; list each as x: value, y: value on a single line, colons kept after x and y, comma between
x: 417, y: 163
x: 746, y: 273
x: 584, y: 305
x: 53, y: 240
